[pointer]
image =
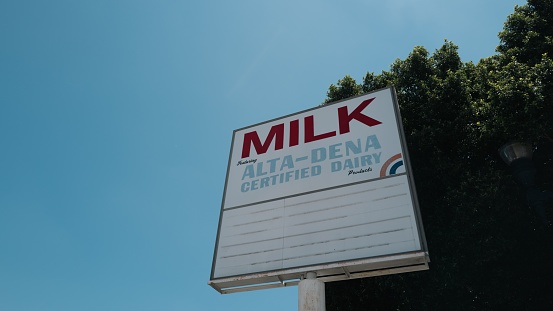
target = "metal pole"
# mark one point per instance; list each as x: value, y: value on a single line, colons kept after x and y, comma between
x: 311, y: 293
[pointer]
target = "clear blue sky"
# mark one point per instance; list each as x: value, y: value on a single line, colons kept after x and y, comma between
x: 116, y: 119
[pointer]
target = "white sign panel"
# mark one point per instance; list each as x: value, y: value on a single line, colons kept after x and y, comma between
x: 322, y: 186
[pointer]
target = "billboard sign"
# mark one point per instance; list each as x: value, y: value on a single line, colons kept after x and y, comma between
x: 324, y: 189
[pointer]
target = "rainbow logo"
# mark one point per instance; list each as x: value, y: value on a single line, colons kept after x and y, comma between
x: 391, y: 166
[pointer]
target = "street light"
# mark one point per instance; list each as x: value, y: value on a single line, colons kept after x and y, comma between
x: 519, y: 157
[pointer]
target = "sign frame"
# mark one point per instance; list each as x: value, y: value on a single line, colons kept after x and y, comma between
x: 415, y: 259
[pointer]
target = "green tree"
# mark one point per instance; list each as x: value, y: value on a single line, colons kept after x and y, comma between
x: 528, y: 33
x: 345, y: 88
x: 488, y: 249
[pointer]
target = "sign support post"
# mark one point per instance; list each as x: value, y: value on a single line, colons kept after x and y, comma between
x: 311, y: 293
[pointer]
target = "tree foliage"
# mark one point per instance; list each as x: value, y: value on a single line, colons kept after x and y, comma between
x: 345, y: 88
x: 488, y: 250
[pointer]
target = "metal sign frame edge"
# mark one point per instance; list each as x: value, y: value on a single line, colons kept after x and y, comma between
x: 348, y: 270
